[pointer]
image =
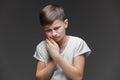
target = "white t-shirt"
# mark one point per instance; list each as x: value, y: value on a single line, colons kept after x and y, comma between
x: 75, y: 47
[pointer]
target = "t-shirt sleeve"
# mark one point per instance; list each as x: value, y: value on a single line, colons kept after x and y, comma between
x: 41, y: 53
x: 82, y: 48
x: 38, y: 55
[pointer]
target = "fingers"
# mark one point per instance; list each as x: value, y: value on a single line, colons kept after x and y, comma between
x: 48, y: 42
x: 51, y: 40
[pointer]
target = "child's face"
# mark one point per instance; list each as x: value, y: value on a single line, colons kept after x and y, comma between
x: 56, y: 31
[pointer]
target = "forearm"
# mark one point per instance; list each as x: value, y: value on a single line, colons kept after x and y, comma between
x: 69, y: 69
x: 47, y: 72
x: 75, y: 71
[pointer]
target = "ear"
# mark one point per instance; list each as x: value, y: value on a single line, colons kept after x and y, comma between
x: 66, y: 23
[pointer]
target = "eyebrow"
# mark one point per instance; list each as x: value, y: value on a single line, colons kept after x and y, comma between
x: 54, y: 27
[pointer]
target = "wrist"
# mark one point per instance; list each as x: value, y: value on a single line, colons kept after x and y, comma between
x: 52, y: 61
x: 56, y: 58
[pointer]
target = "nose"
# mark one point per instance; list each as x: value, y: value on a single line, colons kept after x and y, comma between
x: 54, y: 33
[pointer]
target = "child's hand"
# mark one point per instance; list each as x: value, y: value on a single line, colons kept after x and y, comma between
x: 52, y: 48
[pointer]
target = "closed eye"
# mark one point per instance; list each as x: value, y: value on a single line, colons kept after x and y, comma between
x: 56, y: 28
x: 48, y: 30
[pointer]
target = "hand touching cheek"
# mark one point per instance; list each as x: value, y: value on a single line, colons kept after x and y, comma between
x: 52, y: 48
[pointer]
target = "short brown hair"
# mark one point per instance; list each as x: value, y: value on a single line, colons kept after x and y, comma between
x: 50, y: 13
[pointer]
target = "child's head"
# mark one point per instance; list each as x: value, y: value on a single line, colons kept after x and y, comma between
x: 50, y: 13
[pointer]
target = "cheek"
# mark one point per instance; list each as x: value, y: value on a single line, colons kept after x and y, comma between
x: 47, y: 34
x: 62, y: 31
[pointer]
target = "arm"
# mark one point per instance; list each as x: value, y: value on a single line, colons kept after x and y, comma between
x: 74, y: 71
x: 44, y: 72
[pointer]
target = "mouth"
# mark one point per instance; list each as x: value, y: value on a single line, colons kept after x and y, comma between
x: 55, y: 38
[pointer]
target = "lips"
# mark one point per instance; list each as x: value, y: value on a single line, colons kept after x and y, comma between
x: 55, y: 38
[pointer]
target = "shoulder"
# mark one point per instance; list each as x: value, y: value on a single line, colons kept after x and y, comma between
x: 76, y: 39
x: 41, y: 45
x: 80, y: 46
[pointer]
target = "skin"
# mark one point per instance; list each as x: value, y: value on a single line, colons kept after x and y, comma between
x: 55, y: 43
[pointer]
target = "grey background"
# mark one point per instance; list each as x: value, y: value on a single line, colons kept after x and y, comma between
x: 96, y: 21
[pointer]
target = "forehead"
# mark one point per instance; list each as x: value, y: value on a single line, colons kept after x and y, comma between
x: 56, y: 23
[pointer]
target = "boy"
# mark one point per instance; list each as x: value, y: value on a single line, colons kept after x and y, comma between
x: 60, y: 56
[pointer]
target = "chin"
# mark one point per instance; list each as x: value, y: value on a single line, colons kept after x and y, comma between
x: 56, y: 40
